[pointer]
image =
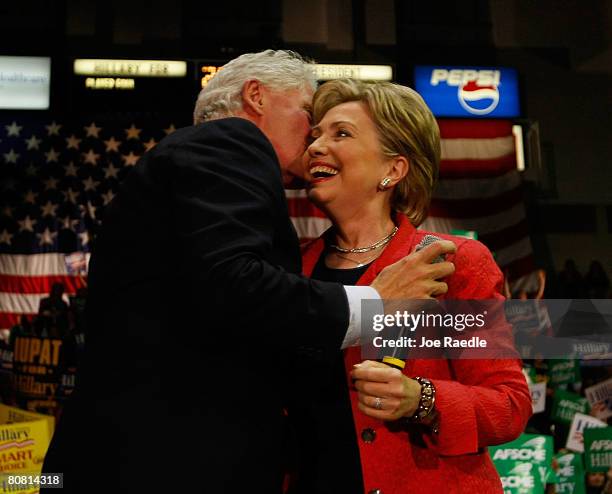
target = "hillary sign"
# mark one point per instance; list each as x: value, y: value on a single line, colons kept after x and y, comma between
x: 468, y: 91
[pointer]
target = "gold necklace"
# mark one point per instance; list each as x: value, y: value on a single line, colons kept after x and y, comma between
x: 361, y: 250
x: 358, y: 263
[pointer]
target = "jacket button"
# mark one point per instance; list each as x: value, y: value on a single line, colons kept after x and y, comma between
x: 375, y: 491
x: 368, y: 435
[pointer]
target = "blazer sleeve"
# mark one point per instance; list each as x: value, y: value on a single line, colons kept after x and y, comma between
x: 489, y: 401
x: 228, y: 202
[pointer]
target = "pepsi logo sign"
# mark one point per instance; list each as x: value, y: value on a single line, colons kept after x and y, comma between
x: 473, y: 92
x: 478, y: 100
x: 477, y: 90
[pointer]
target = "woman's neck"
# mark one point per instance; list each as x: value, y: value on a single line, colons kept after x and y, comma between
x: 362, y: 230
x: 357, y: 229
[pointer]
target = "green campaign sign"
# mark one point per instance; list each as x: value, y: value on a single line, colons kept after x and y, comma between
x: 563, y: 371
x: 465, y: 233
x: 530, y: 374
x: 598, y: 449
x: 566, y: 404
x: 570, y: 473
x: 531, y: 449
x: 519, y: 477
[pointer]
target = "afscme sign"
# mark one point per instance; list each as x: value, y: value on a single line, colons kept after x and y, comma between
x: 475, y: 92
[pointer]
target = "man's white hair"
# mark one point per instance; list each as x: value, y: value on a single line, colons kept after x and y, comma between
x: 275, y: 69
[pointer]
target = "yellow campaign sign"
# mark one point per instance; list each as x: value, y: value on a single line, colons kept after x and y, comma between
x: 24, y: 440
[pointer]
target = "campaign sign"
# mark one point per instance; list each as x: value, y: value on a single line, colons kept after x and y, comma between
x: 575, y: 437
x: 519, y: 477
x: 538, y: 396
x: 24, y: 439
x: 566, y: 404
x: 598, y: 449
x: 36, y: 366
x: 473, y: 92
x: 600, y: 399
x: 564, y: 371
x: 530, y: 449
x: 530, y: 374
x: 570, y: 473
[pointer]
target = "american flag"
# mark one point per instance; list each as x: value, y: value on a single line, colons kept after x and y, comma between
x: 56, y: 176
x: 480, y: 189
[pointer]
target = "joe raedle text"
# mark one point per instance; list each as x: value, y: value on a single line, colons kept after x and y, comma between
x: 423, y: 342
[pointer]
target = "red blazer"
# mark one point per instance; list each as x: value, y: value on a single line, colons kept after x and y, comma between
x: 481, y: 402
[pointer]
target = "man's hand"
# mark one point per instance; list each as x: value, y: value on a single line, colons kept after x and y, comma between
x: 385, y: 393
x: 414, y: 276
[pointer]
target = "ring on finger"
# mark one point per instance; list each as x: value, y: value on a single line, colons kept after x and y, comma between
x: 378, y: 403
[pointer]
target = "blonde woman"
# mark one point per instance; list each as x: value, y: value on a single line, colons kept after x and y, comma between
x: 372, y: 166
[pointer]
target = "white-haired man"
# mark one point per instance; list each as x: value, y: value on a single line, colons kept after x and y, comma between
x: 196, y: 302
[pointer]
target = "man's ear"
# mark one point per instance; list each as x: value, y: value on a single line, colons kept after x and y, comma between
x: 253, y: 97
x: 398, y: 169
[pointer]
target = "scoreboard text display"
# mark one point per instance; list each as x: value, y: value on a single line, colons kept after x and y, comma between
x: 132, y: 85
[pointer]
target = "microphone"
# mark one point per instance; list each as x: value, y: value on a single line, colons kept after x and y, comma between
x: 427, y: 240
x: 393, y: 358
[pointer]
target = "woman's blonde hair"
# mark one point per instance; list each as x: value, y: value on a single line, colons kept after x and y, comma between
x: 405, y: 127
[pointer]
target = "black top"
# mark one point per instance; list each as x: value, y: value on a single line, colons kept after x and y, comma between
x: 328, y: 459
x: 344, y: 276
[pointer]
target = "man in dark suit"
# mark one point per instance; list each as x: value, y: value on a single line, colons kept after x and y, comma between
x: 195, y: 300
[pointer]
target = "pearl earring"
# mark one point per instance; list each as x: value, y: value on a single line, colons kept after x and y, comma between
x: 384, y: 183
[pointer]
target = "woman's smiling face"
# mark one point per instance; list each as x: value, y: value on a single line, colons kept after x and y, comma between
x: 345, y: 162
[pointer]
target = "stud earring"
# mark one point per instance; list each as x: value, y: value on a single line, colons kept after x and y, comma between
x: 384, y: 183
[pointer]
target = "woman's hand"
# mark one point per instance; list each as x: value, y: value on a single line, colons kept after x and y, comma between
x: 384, y: 392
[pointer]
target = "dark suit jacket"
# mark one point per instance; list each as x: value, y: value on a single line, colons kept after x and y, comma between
x: 195, y: 303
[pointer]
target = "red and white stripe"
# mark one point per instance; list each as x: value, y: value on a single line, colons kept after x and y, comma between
x: 26, y: 279
x: 480, y: 189
x: 309, y: 221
